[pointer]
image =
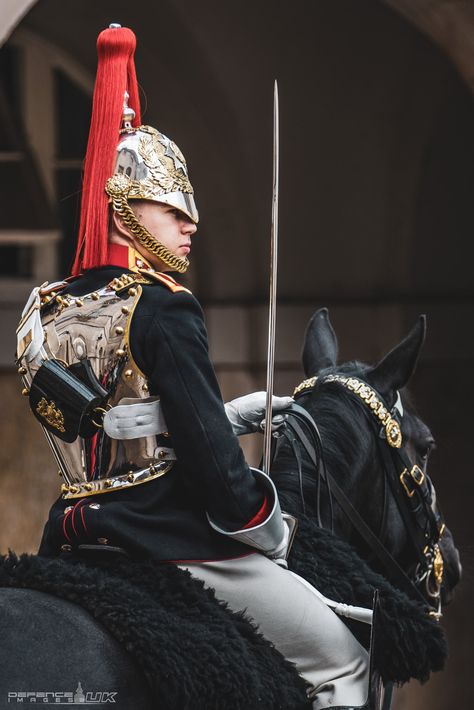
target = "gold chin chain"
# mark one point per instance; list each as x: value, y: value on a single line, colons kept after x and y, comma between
x: 121, y: 206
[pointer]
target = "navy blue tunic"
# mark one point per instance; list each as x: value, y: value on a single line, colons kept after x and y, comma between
x: 166, y: 518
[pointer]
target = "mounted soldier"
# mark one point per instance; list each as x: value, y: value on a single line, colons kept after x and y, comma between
x: 115, y: 362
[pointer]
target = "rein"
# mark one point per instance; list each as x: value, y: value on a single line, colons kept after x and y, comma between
x: 409, y: 485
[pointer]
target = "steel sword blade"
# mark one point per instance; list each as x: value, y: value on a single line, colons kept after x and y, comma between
x: 267, y: 441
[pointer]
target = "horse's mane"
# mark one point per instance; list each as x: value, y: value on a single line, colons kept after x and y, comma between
x: 342, y: 420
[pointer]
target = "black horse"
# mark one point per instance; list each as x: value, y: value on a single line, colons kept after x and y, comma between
x: 192, y: 651
x: 353, y: 455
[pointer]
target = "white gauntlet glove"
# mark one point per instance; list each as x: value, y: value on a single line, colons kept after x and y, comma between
x: 247, y: 413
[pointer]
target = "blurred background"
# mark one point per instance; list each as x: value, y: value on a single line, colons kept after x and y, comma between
x: 376, y: 207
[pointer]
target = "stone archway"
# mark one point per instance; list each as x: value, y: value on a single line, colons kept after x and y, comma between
x: 11, y: 13
x: 449, y: 24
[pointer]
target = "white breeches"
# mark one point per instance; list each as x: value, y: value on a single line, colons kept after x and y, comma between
x: 300, y: 625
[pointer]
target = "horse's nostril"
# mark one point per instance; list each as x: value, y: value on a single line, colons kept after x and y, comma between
x: 456, y: 568
x: 454, y: 572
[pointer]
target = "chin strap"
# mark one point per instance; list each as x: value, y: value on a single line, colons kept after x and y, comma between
x: 116, y: 188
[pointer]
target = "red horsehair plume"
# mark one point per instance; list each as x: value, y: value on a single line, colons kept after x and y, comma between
x: 115, y: 75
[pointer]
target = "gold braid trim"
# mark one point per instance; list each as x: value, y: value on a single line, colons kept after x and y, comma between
x: 367, y: 395
x: 115, y: 190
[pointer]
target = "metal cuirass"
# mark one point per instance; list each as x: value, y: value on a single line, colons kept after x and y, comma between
x: 96, y: 327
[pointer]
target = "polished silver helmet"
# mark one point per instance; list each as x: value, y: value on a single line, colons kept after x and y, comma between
x: 156, y: 169
x: 150, y: 166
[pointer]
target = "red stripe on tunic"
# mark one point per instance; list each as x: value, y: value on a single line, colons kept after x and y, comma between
x: 64, y: 525
x: 73, y: 514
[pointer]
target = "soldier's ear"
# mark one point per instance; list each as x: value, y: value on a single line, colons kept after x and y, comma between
x: 118, y: 228
x: 320, y: 344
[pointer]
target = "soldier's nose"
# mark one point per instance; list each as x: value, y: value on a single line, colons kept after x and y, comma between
x: 190, y: 228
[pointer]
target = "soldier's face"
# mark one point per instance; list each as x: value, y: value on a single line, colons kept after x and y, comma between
x: 168, y: 225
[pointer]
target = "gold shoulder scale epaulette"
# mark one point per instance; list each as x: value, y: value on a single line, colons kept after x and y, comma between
x: 127, y: 281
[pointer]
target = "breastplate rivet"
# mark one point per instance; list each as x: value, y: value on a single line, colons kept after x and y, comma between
x: 125, y: 310
x: 128, y: 373
x: 119, y: 330
x: 25, y: 391
x: 120, y: 352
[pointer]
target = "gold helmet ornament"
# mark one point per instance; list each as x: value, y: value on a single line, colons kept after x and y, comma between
x: 125, y: 160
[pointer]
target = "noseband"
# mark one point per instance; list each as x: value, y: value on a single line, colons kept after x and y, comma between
x: 410, y: 486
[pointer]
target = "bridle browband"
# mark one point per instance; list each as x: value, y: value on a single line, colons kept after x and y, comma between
x: 410, y: 487
x: 368, y: 395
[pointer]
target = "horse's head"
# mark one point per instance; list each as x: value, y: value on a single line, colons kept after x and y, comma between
x: 367, y: 429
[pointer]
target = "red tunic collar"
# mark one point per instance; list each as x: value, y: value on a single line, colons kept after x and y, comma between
x: 126, y: 258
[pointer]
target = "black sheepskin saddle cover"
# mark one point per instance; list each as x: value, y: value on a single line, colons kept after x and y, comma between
x: 173, y: 626
x: 408, y: 642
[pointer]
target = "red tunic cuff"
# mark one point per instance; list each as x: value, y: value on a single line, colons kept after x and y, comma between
x: 261, y: 515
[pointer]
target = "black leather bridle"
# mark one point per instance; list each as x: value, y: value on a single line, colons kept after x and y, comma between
x: 409, y: 485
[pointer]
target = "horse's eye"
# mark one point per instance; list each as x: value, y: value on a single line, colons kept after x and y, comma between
x: 427, y: 449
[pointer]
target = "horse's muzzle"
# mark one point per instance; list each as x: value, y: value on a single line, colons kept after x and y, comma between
x: 452, y: 568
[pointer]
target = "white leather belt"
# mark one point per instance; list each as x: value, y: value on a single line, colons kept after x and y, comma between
x: 134, y: 418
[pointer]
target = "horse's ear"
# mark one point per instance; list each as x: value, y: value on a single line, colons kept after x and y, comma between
x: 395, y: 369
x: 320, y: 344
